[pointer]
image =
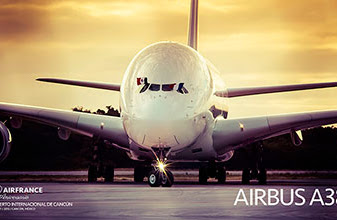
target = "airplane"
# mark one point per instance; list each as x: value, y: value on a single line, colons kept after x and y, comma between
x: 172, y: 110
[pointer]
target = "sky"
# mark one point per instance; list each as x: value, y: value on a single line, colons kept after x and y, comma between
x: 252, y: 43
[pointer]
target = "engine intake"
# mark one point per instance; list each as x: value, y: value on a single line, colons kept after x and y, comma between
x: 5, y: 142
x: 227, y: 156
x: 64, y: 134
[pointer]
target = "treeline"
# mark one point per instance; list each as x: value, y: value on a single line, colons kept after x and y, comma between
x: 110, y: 111
x: 317, y: 152
x: 37, y: 147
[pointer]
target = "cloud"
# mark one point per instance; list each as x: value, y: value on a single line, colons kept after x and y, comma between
x: 21, y: 22
x: 250, y: 42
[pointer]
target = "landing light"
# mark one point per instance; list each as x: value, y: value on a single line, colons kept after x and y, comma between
x: 161, y: 165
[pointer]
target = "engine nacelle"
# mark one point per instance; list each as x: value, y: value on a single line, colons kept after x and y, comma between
x: 5, y: 142
x: 296, y: 137
x: 227, y: 156
x: 64, y: 134
x: 15, y: 122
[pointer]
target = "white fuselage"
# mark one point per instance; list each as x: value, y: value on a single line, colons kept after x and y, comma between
x: 166, y: 95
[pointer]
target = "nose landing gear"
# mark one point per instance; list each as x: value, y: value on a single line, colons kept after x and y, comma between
x: 168, y: 179
x: 160, y: 175
x: 154, y: 178
x: 158, y: 178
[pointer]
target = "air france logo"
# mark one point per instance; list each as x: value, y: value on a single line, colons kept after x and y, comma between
x: 179, y: 87
x: 21, y: 190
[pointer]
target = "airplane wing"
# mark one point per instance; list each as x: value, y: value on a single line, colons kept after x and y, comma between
x: 246, y: 91
x: 230, y: 134
x: 107, y: 127
x: 96, y: 85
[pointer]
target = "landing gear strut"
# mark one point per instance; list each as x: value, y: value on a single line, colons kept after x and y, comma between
x: 92, y: 173
x: 212, y: 170
x: 97, y: 168
x: 159, y: 174
x: 256, y: 170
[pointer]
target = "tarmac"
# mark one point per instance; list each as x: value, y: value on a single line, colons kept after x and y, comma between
x: 185, y: 200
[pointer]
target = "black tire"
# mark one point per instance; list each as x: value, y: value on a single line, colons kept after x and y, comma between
x: 92, y: 174
x: 109, y: 174
x: 246, y: 176
x: 139, y: 174
x: 254, y: 174
x: 203, y: 175
x: 221, y: 175
x: 262, y: 177
x: 154, y: 179
x: 168, y: 181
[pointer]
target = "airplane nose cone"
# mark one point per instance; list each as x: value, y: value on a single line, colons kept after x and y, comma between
x: 165, y: 132
x: 160, y: 111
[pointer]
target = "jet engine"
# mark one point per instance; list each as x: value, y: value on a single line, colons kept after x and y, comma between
x: 5, y: 142
x: 227, y: 156
x: 296, y: 137
x: 15, y: 122
x: 64, y: 134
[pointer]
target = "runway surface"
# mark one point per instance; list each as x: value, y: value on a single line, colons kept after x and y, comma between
x: 129, y: 171
x: 183, y: 201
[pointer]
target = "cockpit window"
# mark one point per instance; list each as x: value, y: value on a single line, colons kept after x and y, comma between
x: 181, y: 89
x: 142, y: 81
x: 168, y: 87
x: 145, y: 87
x: 154, y: 87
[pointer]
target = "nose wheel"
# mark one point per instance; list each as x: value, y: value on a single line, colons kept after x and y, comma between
x: 158, y: 178
x: 160, y: 175
x: 154, y: 178
x: 168, y: 179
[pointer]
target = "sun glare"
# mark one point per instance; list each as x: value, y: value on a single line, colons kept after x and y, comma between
x: 161, y: 165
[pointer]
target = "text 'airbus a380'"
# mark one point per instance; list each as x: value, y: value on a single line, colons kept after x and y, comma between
x: 170, y: 112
